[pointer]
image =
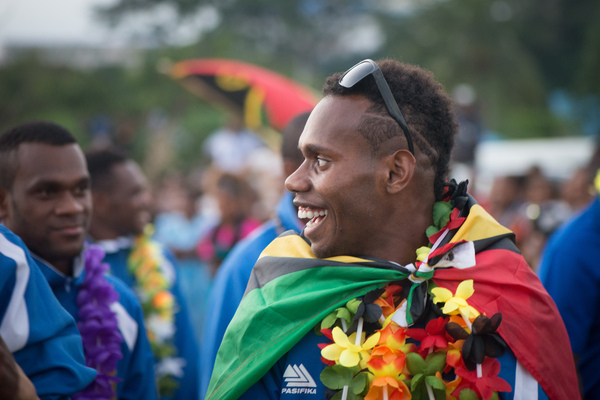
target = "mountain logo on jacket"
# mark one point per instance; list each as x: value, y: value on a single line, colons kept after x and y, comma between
x: 298, y: 380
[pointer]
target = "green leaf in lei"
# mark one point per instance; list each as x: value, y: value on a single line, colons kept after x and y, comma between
x: 423, y: 372
x: 441, y: 213
x: 441, y: 216
x: 339, y: 313
x: 468, y: 394
x: 353, y: 305
x: 360, y: 384
x: 335, y: 377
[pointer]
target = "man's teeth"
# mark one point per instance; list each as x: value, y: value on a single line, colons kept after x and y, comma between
x: 308, y: 214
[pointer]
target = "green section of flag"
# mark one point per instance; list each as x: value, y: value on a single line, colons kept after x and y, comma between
x: 272, y: 319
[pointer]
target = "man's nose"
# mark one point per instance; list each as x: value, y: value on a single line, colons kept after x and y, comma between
x: 70, y: 204
x: 297, y: 181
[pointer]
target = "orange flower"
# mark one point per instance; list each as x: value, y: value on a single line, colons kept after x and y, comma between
x: 163, y: 300
x: 388, y: 377
x: 393, y: 336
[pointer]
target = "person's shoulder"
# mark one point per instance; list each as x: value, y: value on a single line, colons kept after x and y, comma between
x: 246, y: 251
x: 126, y: 296
x: 579, y: 228
x: 256, y: 241
x: 9, y: 239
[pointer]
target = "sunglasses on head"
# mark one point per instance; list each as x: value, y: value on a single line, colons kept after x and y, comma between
x: 365, y: 68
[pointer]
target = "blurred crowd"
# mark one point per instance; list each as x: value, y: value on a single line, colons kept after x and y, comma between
x: 201, y: 215
x: 533, y: 206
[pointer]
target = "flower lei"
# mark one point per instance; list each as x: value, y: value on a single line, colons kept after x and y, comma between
x: 375, y: 355
x: 98, y: 327
x: 159, y: 307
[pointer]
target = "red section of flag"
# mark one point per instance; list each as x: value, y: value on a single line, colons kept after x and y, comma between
x: 531, y: 324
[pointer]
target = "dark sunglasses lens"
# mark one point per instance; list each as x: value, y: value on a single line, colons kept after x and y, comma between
x: 356, y: 74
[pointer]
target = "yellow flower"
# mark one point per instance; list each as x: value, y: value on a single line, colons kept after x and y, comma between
x: 597, y: 181
x: 345, y: 352
x: 154, y: 282
x: 422, y: 253
x: 456, y: 304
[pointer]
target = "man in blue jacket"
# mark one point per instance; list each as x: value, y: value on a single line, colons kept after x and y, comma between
x: 572, y: 278
x: 40, y: 334
x: 231, y: 279
x: 46, y: 200
x: 121, y: 226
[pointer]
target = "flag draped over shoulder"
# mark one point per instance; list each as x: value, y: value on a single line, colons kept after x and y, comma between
x: 290, y: 291
x: 286, y: 297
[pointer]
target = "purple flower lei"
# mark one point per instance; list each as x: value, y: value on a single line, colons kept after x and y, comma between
x: 98, y: 327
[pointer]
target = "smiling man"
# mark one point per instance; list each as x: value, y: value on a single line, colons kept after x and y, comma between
x: 400, y: 284
x: 45, y: 199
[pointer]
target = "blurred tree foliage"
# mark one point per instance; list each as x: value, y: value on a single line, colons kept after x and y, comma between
x: 514, y: 53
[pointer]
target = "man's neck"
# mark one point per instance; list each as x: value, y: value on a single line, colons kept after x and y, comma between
x: 64, y: 266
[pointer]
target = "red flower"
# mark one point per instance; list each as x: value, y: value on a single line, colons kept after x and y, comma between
x: 327, y: 334
x: 487, y: 384
x: 432, y: 337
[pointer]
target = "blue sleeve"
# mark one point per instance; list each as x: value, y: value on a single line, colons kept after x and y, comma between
x: 185, y: 342
x: 137, y: 365
x: 575, y: 292
x: 226, y: 293
x: 48, y: 347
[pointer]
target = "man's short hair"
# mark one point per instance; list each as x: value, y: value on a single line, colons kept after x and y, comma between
x: 290, y: 136
x: 100, y: 163
x: 43, y: 132
x: 426, y: 107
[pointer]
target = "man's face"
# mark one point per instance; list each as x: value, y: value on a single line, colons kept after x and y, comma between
x: 130, y: 200
x: 49, y: 204
x: 340, y: 181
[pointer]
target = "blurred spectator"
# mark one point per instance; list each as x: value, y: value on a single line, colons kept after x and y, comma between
x: 100, y: 129
x: 470, y: 131
x: 505, y: 199
x: 569, y: 271
x: 229, y: 148
x: 180, y: 225
x: 231, y: 279
x: 540, y: 215
x: 235, y: 198
x: 577, y: 191
x: 120, y: 225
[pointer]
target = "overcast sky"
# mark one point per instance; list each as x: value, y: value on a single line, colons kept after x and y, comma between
x: 48, y: 21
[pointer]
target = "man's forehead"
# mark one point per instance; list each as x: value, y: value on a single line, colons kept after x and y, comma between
x: 128, y: 174
x: 50, y: 162
x: 334, y: 119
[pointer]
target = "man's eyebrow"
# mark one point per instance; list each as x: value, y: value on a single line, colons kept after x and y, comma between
x: 44, y: 182
x: 316, y: 149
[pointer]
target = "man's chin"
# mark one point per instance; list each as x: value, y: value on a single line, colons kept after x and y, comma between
x: 321, y: 252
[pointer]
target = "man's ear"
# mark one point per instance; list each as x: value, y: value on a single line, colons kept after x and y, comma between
x: 4, y: 203
x: 401, y: 169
